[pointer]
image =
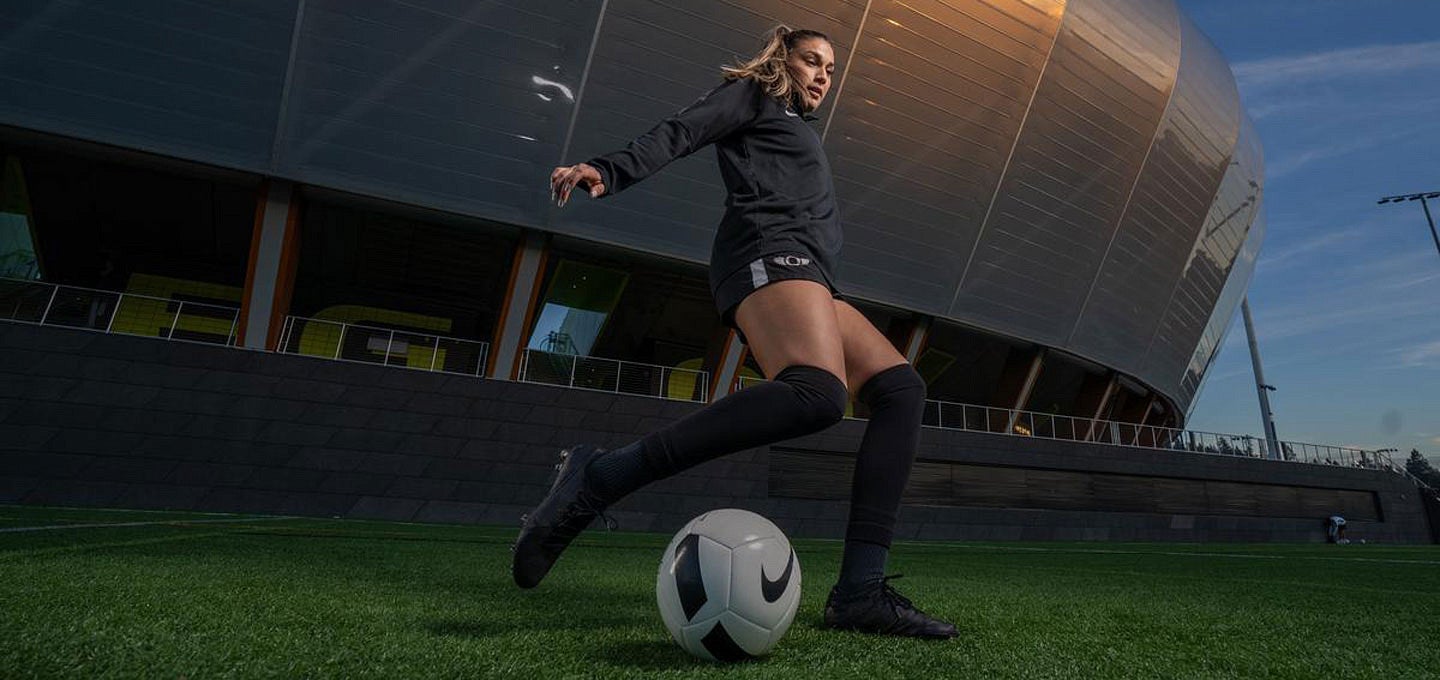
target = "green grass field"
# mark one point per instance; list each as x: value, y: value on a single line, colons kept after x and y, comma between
x: 188, y: 595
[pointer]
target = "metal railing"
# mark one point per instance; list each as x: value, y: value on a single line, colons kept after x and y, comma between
x: 384, y: 346
x: 973, y: 418
x: 611, y: 375
x: 49, y: 304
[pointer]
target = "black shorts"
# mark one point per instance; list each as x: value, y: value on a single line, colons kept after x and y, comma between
x: 741, y: 282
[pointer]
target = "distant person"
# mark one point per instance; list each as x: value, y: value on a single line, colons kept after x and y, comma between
x: 771, y: 274
x: 1335, y: 530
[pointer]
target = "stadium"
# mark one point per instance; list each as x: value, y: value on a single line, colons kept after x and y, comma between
x: 1052, y: 210
x: 284, y: 308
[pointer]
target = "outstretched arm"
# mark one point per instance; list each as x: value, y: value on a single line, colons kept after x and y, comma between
x: 720, y: 112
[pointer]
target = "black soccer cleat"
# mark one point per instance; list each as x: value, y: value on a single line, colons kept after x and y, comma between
x: 567, y: 509
x: 876, y: 608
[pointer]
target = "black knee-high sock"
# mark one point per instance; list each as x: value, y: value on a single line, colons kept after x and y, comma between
x: 799, y: 401
x: 896, y: 397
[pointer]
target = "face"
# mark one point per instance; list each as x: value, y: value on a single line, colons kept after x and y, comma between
x: 811, y: 63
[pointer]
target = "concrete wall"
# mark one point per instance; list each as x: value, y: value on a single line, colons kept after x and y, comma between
x: 88, y: 419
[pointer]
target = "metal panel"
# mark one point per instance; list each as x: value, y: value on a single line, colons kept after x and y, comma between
x: 196, y: 79
x: 933, y: 101
x: 454, y: 104
x: 652, y: 58
x: 1007, y: 164
x: 1076, y: 163
x: 1164, y: 219
x: 1215, y: 276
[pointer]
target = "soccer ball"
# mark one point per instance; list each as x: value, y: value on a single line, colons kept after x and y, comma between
x: 729, y: 585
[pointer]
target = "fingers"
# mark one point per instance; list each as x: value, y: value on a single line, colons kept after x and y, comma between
x: 563, y: 180
x: 560, y: 185
x: 567, y: 184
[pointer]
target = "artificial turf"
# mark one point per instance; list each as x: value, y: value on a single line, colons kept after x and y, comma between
x: 189, y: 595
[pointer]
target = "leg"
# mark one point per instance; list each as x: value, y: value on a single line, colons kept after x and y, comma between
x: 886, y: 383
x: 791, y: 326
x: 793, y: 332
x: 793, y: 323
x: 895, y: 393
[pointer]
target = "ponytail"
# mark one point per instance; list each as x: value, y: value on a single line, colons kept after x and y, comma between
x: 768, y: 67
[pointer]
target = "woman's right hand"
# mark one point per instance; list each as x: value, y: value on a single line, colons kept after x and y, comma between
x: 566, y: 178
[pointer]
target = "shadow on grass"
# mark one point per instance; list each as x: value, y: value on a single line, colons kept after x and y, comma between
x: 557, y: 609
x: 651, y: 655
x: 513, y: 621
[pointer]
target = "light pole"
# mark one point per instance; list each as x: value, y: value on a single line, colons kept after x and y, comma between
x: 1266, y: 417
x: 1422, y: 197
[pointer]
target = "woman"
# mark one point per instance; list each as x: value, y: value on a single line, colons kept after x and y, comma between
x: 770, y: 273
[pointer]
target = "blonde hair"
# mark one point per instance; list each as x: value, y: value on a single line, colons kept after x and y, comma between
x: 768, y: 67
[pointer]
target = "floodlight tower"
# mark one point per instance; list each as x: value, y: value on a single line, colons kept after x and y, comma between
x: 1422, y: 197
x: 1267, y: 418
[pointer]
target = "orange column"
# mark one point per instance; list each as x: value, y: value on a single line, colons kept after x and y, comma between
x: 521, y: 298
x: 270, y: 274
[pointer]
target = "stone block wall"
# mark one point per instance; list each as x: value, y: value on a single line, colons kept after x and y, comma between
x: 88, y: 419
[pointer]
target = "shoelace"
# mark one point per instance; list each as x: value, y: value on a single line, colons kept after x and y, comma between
x: 583, y: 504
x: 893, y: 596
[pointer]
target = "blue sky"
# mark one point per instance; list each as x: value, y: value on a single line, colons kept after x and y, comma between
x: 1346, y: 294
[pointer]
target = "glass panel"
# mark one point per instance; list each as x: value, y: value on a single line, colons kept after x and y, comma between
x: 311, y: 338
x: 1061, y: 384
x: 365, y: 344
x: 458, y: 356
x: 602, y: 374
x: 79, y: 308
x: 549, y: 368
x: 130, y: 227
x: 602, y: 302
x: 966, y: 366
x: 24, y: 300
x: 578, y: 301
x: 17, y: 235
x: 387, y: 266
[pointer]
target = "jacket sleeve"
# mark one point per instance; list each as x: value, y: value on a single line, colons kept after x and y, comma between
x: 719, y: 112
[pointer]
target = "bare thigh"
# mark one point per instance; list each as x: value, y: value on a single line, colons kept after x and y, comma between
x: 867, y: 350
x: 790, y: 323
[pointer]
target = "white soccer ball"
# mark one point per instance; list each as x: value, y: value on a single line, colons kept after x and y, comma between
x: 729, y: 585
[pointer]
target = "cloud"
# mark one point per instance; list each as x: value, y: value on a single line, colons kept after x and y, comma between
x: 1368, y: 293
x: 1423, y: 354
x: 1289, y: 163
x: 1269, y: 261
x: 1354, y: 61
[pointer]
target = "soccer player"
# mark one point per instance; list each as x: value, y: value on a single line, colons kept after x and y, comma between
x: 771, y: 276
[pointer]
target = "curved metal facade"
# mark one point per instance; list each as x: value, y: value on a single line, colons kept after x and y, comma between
x: 1077, y: 174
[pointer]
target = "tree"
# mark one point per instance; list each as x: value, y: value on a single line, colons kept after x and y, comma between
x: 1422, y: 469
x: 1225, y: 447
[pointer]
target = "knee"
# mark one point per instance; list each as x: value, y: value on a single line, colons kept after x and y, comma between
x: 820, y: 395
x: 895, y: 385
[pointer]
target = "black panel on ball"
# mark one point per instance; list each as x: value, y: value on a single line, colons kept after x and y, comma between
x: 688, y: 580
x: 721, y: 646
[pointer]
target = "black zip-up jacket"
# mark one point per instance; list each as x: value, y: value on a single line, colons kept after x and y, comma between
x: 781, y: 196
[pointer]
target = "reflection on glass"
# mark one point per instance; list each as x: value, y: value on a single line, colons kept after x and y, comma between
x: 17, y: 243
x: 577, y: 304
